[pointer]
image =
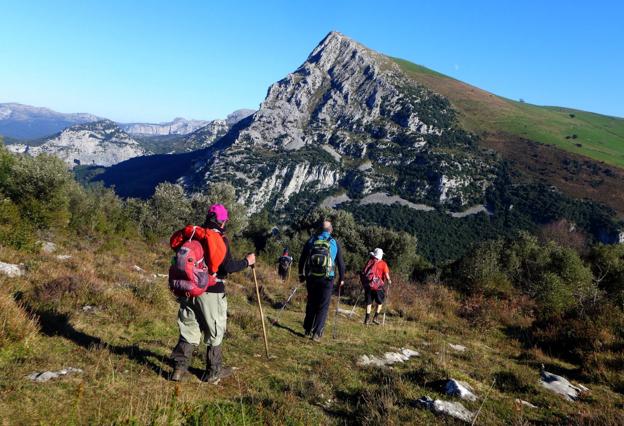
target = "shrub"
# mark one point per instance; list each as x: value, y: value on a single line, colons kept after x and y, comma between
x: 39, y: 186
x: 608, y: 266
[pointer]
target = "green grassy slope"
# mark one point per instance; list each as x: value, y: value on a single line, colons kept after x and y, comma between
x: 122, y: 344
x: 597, y: 136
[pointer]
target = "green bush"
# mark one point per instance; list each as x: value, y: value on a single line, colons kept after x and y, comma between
x: 39, y: 186
x: 608, y: 266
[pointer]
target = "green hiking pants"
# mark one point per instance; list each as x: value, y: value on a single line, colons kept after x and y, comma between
x: 205, y: 314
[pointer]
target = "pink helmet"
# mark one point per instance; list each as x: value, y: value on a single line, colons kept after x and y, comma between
x: 220, y: 212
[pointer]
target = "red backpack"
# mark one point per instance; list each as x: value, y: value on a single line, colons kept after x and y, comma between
x: 188, y: 273
x: 369, y: 276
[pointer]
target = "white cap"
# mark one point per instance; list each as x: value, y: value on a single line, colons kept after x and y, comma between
x: 377, y: 253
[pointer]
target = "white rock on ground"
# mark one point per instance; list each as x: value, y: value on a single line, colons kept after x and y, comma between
x: 388, y: 358
x: 457, y: 348
x: 138, y: 268
x: 63, y: 257
x: 453, y: 409
x: 11, y: 270
x: 48, y: 375
x: 525, y: 403
x: 561, y: 385
x: 461, y: 389
x: 47, y: 247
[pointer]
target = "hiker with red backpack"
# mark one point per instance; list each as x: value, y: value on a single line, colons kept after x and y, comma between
x: 319, y: 258
x: 196, y: 276
x: 373, y: 275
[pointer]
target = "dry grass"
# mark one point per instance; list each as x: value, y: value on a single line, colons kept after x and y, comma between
x: 122, y: 344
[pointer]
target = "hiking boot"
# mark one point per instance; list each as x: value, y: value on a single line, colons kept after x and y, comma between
x: 181, y: 356
x: 375, y: 320
x: 179, y: 374
x: 215, y: 376
x: 367, y: 319
x: 214, y: 370
x: 308, y: 334
x: 316, y: 338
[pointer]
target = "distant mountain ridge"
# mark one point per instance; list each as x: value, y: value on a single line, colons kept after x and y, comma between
x: 26, y: 122
x: 179, y: 126
x: 29, y: 122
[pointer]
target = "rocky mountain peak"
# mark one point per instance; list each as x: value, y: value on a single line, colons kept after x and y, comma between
x: 346, y: 105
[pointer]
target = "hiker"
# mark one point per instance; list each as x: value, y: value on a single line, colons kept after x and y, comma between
x: 373, y: 275
x: 319, y: 257
x: 283, y: 264
x: 207, y: 313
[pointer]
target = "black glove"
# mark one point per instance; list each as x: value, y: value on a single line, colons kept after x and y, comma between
x: 302, y: 278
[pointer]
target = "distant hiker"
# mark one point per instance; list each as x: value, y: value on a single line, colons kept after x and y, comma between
x: 372, y: 276
x: 283, y: 264
x: 203, y: 310
x: 319, y: 257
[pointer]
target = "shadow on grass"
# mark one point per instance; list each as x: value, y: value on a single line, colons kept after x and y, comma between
x: 276, y: 323
x: 56, y: 324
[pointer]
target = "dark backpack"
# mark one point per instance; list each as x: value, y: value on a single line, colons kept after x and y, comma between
x: 369, y: 278
x: 285, y: 262
x: 320, y: 263
x: 188, y: 273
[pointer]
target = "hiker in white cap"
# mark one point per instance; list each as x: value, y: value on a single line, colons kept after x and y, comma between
x: 373, y: 275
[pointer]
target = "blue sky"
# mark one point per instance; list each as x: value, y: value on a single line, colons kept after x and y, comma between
x: 154, y: 60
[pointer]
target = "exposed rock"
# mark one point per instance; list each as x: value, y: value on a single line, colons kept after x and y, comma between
x: 206, y: 135
x: 101, y: 143
x: 47, y: 247
x: 457, y: 348
x: 381, y: 198
x: 335, y: 201
x: 525, y: 403
x: 561, y: 386
x: 453, y: 409
x: 388, y: 358
x: 238, y: 115
x: 89, y: 309
x: 460, y: 389
x: 179, y: 126
x: 347, y: 102
x: 63, y: 256
x: 138, y: 269
x: 11, y: 270
x: 471, y: 211
x: 48, y: 375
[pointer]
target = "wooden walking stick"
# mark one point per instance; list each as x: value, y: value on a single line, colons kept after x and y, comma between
x: 264, y: 333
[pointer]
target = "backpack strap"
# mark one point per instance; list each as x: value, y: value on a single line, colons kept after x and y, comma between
x: 193, y: 233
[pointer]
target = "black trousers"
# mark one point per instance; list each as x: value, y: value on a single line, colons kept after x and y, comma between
x: 317, y: 307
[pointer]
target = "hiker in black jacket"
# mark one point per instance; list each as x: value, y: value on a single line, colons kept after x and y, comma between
x: 319, y: 257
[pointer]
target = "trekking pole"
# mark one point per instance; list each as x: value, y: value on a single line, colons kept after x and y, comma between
x: 383, y: 319
x: 284, y: 305
x: 264, y: 333
x: 356, y: 303
x: 336, y: 314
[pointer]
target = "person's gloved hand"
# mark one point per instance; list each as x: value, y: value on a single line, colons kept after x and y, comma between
x: 341, y: 283
x: 251, y: 259
x: 301, y: 278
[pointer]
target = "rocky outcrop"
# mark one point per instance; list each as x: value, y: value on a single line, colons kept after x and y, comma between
x: 346, y: 119
x: 179, y: 126
x: 206, y: 135
x: 101, y: 143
